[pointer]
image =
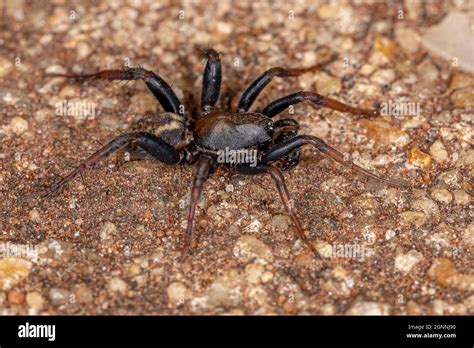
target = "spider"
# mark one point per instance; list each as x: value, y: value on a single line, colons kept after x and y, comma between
x: 174, y: 137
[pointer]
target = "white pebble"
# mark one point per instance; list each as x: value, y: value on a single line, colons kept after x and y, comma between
x: 18, y: 125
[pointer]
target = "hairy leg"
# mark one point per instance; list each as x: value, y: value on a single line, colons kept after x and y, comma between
x: 285, y: 147
x: 203, y: 169
x: 211, y: 80
x: 252, y: 92
x: 279, y: 179
x: 277, y: 106
x: 150, y: 143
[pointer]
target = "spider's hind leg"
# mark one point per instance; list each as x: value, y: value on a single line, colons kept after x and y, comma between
x: 278, y: 178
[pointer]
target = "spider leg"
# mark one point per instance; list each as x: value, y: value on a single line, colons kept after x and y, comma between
x: 204, y: 167
x: 160, y: 89
x: 211, y: 80
x: 252, y: 92
x: 284, y: 129
x: 285, y: 147
x: 155, y: 146
x: 277, y: 106
x: 279, y: 179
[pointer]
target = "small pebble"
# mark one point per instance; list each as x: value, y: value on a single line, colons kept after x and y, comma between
x: 442, y: 195
x: 442, y: 269
x: 12, y: 96
x: 383, y: 76
x: 281, y: 222
x: 267, y: 277
x: 331, y: 11
x: 83, y: 294
x: 426, y: 205
x: 461, y: 80
x: 304, y: 259
x: 6, y: 66
x: 428, y: 71
x: 41, y: 115
x: 55, y: 69
x: 35, y: 300
x: 461, y: 197
x: 412, y: 217
x: 18, y: 125
x: 466, y: 158
x: 12, y: 271
x: 55, y: 249
x: 107, y: 231
x: 451, y: 178
x: 390, y: 234
x: 58, y: 296
x: 468, y: 235
x: 438, y: 151
x: 225, y: 290
x: 463, y: 98
x: 407, y: 38
x: 224, y: 27
x: 116, y: 284
x: 413, y: 308
x: 177, y: 294
x: 249, y: 247
x: 405, y: 262
x: 83, y: 50
x: 34, y: 215
x: 385, y: 133
x: 369, y: 308
x: 254, y: 272
x: 324, y: 248
x: 16, y: 297
x: 418, y: 158
x: 253, y: 227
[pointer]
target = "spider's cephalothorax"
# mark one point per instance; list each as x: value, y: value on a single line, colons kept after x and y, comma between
x: 247, y: 142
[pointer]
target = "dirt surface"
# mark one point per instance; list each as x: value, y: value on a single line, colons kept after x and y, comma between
x: 110, y: 244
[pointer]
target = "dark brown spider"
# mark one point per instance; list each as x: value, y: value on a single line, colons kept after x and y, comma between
x: 174, y: 137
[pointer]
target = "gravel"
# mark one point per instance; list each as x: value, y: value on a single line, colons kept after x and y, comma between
x: 110, y: 242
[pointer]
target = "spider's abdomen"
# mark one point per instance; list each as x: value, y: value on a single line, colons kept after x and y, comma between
x: 232, y: 131
x: 167, y: 126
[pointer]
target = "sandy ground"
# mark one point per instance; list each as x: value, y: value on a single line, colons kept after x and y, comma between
x: 110, y: 244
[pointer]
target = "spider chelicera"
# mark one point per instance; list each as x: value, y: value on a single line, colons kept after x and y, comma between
x: 174, y: 137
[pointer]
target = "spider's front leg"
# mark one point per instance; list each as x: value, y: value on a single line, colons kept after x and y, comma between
x: 277, y: 106
x: 160, y: 89
x: 150, y: 143
x: 287, y: 146
x: 211, y: 80
x: 253, y: 91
